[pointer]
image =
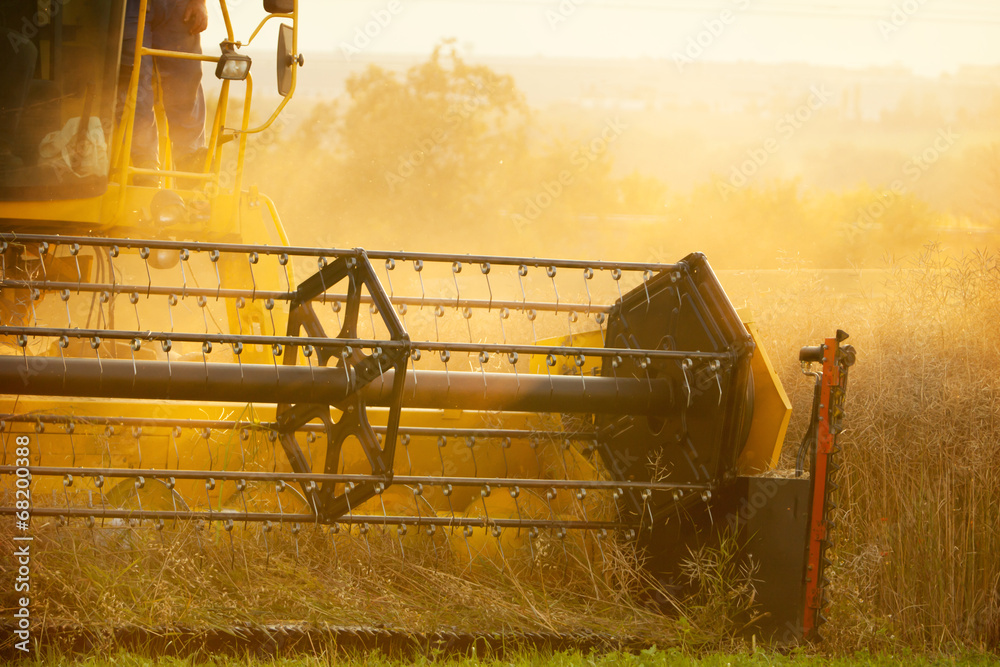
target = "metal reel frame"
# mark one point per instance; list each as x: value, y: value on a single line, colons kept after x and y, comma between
x: 329, y: 503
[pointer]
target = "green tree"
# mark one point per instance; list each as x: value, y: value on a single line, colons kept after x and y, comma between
x: 444, y: 156
x: 444, y: 141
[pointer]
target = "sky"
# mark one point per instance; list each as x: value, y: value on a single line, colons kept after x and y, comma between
x: 927, y: 36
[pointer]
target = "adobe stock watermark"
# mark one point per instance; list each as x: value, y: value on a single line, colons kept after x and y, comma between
x: 562, y: 12
x: 365, y: 35
x: 902, y: 13
x: 741, y: 174
x: 21, y: 558
x: 660, y: 255
x: 22, y: 35
x: 713, y: 29
x: 913, y: 170
x: 581, y: 160
x: 457, y: 115
x: 754, y: 502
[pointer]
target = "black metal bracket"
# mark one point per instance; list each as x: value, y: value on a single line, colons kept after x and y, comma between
x: 699, y: 441
x: 332, y: 500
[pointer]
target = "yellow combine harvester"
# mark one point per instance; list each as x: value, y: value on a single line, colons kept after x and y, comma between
x: 165, y: 355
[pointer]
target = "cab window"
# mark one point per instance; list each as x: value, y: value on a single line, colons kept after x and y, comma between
x: 58, y: 81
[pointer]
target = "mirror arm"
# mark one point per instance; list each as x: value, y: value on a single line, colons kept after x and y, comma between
x: 264, y: 22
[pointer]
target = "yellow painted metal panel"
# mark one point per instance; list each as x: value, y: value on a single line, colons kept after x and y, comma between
x: 772, y: 410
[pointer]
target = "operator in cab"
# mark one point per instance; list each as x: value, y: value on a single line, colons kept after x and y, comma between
x: 171, y: 25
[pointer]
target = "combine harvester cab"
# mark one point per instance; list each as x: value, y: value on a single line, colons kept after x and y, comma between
x: 488, y: 406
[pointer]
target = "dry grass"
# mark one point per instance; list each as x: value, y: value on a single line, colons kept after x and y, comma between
x: 124, y: 576
x: 919, y: 532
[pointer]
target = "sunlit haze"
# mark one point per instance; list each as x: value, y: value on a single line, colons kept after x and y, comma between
x: 876, y: 119
x: 927, y: 36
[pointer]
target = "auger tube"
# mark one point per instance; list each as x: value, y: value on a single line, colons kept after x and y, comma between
x: 258, y: 383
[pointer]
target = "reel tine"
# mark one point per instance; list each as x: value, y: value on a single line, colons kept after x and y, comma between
x: 67, y: 482
x: 228, y: 526
x: 265, y: 529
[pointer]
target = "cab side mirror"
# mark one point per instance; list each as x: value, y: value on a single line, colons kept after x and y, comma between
x: 279, y: 6
x: 286, y: 59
